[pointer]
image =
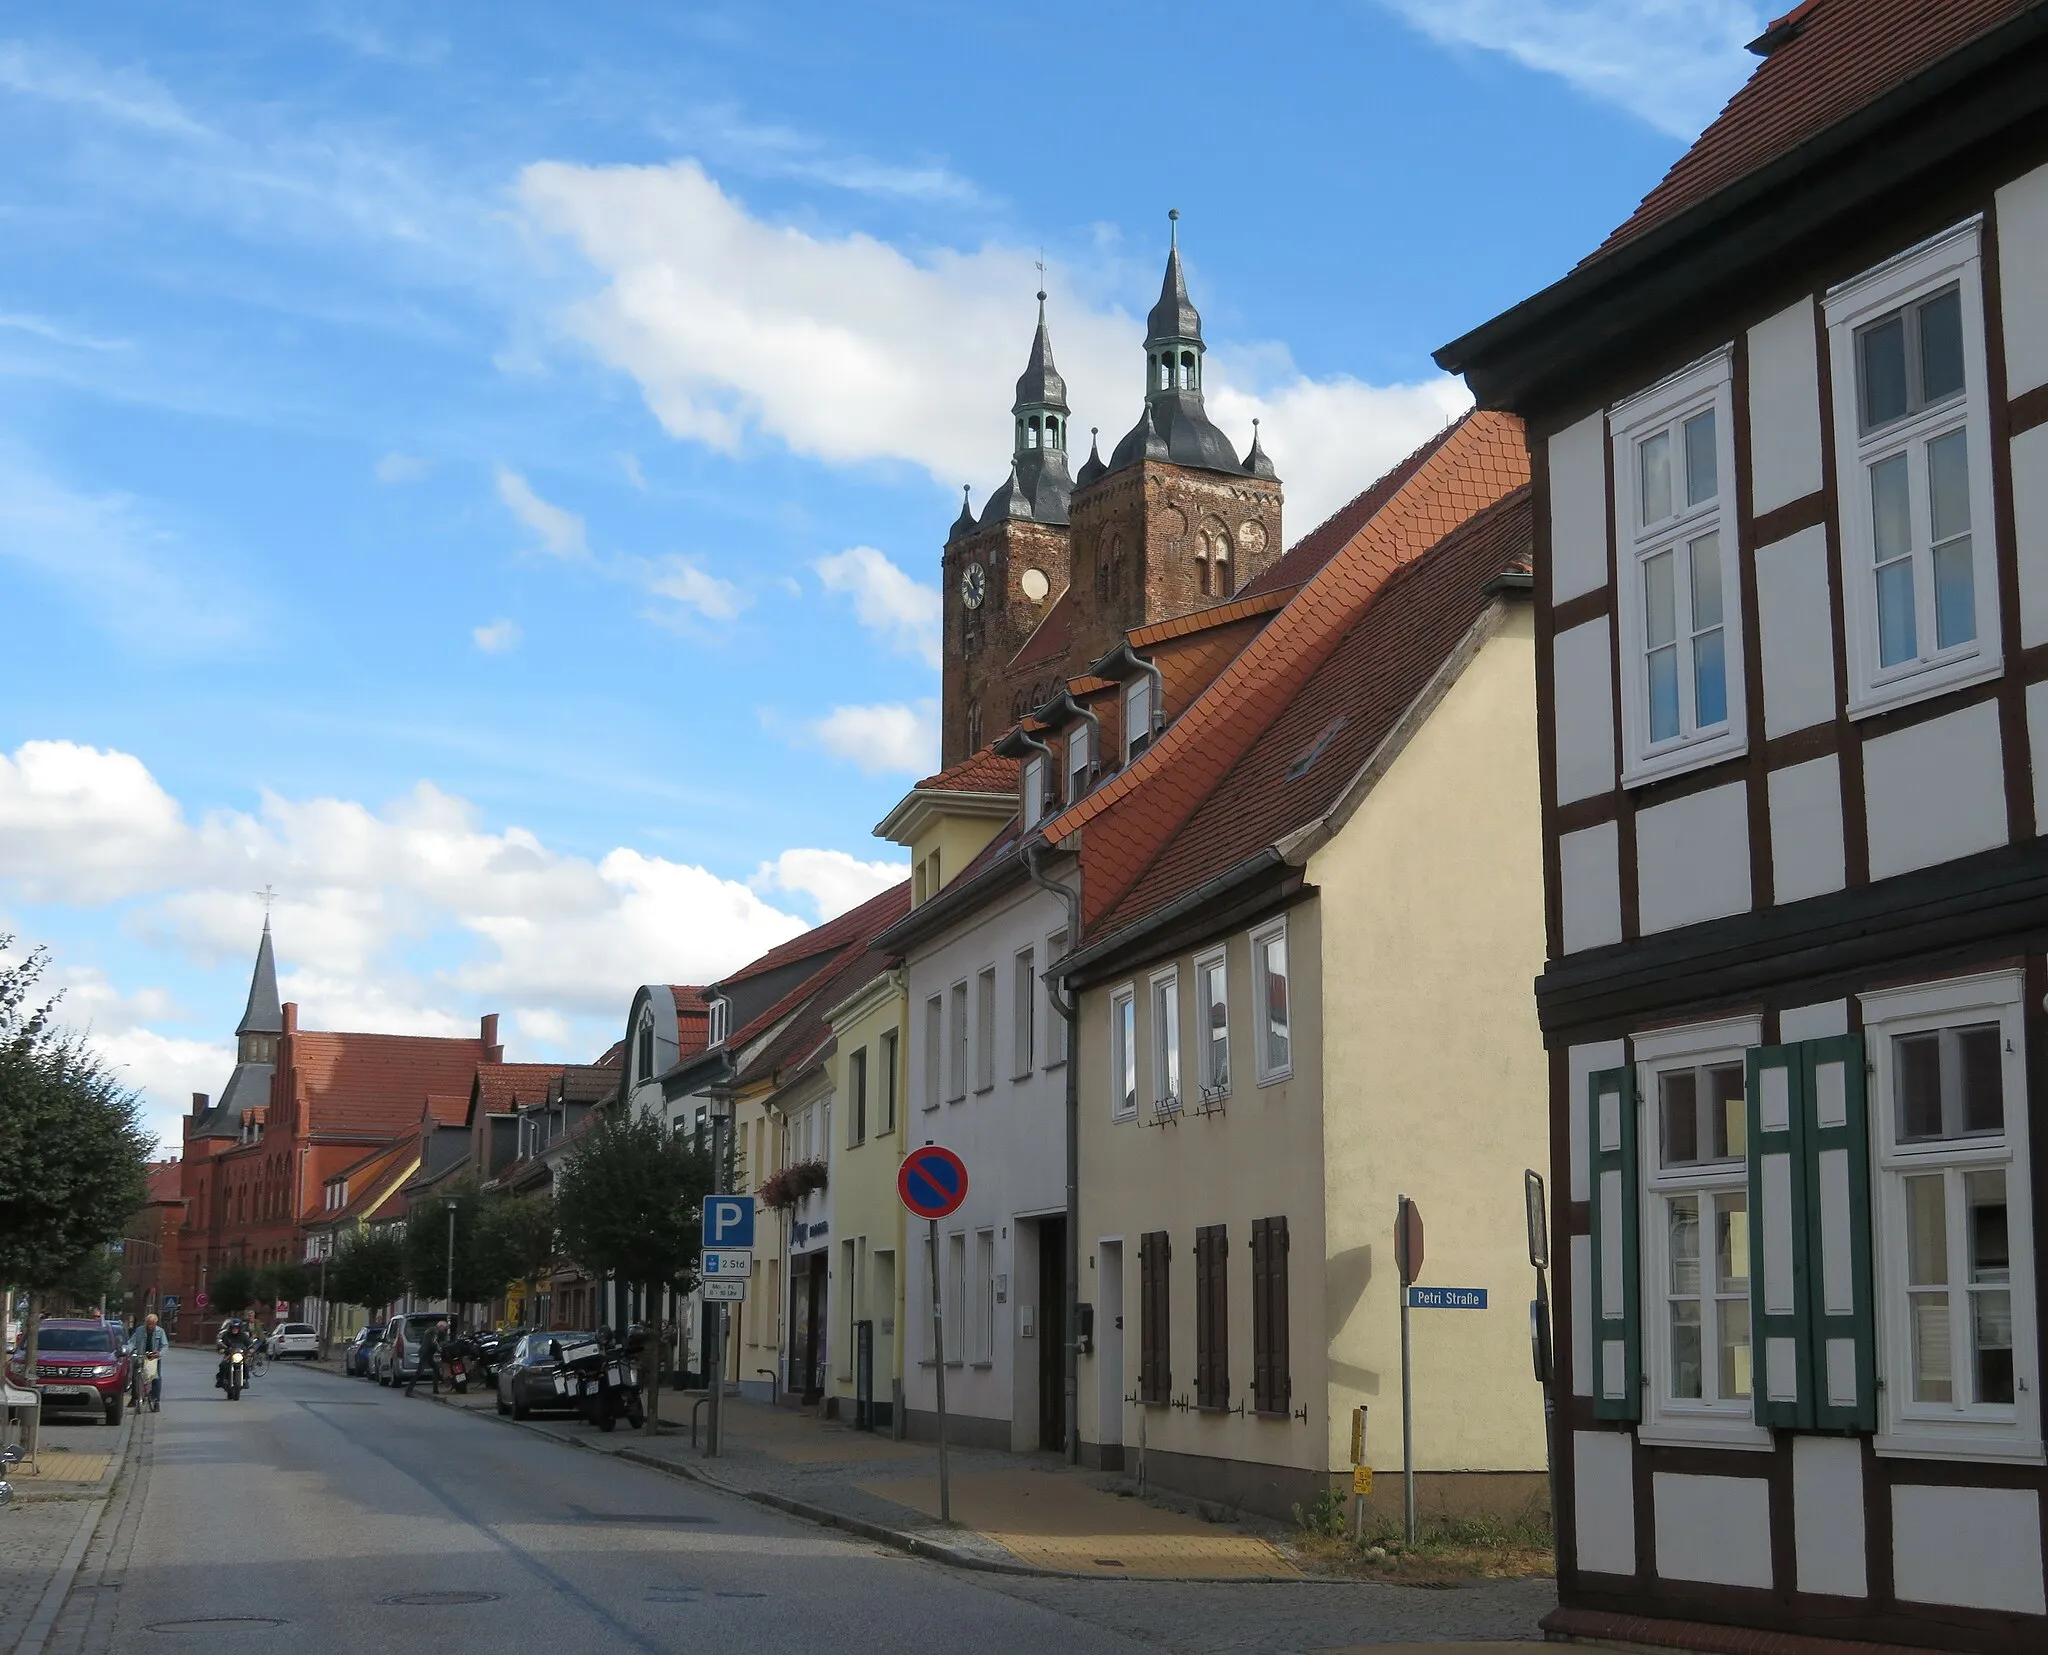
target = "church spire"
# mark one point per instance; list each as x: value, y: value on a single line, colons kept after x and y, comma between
x: 1173, y: 331
x: 1041, y: 406
x: 263, y: 1015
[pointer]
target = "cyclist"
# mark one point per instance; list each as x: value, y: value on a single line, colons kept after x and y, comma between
x: 148, y: 1345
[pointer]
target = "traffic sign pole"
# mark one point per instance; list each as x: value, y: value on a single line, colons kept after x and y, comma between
x: 1408, y: 1253
x: 939, y: 1374
x: 932, y: 1182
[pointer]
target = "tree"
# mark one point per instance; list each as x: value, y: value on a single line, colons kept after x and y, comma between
x: 289, y: 1280
x: 479, y: 1267
x: 523, y: 1230
x: 630, y: 1204
x: 232, y: 1288
x: 73, y: 1153
x: 368, y: 1268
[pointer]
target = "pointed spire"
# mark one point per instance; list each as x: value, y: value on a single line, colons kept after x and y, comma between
x: 1040, y: 386
x: 1174, y: 318
x: 1018, y: 504
x: 1092, y: 467
x: 263, y: 1015
x: 1258, y: 463
x: 964, y: 523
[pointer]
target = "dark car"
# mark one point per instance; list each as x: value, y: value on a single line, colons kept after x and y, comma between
x: 79, y: 1364
x: 355, y: 1360
x: 527, y: 1381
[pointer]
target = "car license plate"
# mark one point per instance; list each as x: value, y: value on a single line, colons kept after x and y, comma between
x: 67, y: 1393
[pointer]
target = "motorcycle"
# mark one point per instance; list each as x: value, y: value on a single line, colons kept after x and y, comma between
x: 492, y: 1350
x: 601, y: 1374
x: 458, y: 1364
x: 234, y: 1374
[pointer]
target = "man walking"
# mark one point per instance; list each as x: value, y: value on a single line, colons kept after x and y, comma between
x: 430, y: 1358
x: 148, y: 1345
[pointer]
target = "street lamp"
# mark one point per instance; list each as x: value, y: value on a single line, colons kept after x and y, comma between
x: 451, y: 1256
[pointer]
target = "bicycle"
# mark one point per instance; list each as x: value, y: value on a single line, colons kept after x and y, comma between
x: 259, y: 1360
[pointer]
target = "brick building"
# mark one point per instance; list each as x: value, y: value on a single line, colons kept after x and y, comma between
x: 1059, y: 566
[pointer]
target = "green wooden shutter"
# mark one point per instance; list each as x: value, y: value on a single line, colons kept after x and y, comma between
x: 1781, y: 1343
x: 1842, y: 1336
x: 1617, y: 1307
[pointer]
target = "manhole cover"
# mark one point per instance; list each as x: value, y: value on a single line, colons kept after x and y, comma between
x: 429, y: 1599
x: 218, y: 1623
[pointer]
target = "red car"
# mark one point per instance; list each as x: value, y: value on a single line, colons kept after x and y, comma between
x: 79, y: 1364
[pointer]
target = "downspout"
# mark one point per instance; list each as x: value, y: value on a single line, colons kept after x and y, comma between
x: 1064, y: 1003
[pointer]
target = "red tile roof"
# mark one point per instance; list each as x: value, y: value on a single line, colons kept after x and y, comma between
x: 166, y: 1181
x: 693, y: 1019
x: 821, y: 939
x: 1840, y: 55
x: 446, y: 1109
x: 1480, y: 460
x: 371, y: 1182
x: 1052, y: 637
x: 984, y: 772
x: 373, y: 1083
x: 1345, y: 708
x: 851, y: 929
x: 502, y: 1087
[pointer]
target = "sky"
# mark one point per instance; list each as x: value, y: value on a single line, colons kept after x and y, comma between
x: 477, y: 472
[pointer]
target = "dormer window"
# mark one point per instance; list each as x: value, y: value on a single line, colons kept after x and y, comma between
x: 718, y: 1022
x: 644, y: 1063
x: 1077, y: 763
x: 1034, y: 791
x: 1137, y: 717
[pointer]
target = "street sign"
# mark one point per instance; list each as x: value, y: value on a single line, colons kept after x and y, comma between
x: 1361, y: 1479
x: 932, y: 1181
x: 730, y: 1262
x: 1539, y: 1231
x: 1408, y: 1240
x: 728, y: 1221
x: 170, y: 1301
x: 200, y: 1301
x: 1447, y: 1298
x: 725, y: 1290
x: 281, y: 1309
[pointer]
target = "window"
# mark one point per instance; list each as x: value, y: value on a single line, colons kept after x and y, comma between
x: 1055, y: 1024
x: 985, y: 1294
x: 1272, y: 1380
x: 1166, y: 1040
x: 717, y: 1030
x: 1953, y: 1219
x: 925, y: 880
x: 1034, y: 791
x: 1269, y: 987
x: 1678, y: 628
x: 1024, y: 1006
x: 857, y: 1098
x: 644, y: 1069
x: 1212, y: 1001
x: 934, y: 1015
x: 929, y: 1247
x: 1212, y: 1316
x: 1695, y: 1230
x: 1155, y: 1354
x: 985, y: 1029
x: 885, y: 1060
x: 957, y: 1089
x: 956, y: 1298
x: 1123, y: 1052
x: 1137, y: 717
x: 1912, y: 446
x: 1077, y: 763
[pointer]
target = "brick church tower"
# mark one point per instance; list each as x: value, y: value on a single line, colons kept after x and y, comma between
x: 1057, y: 567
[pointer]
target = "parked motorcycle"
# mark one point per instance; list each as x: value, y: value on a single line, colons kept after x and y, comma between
x: 458, y: 1363
x: 493, y: 1349
x: 602, y: 1374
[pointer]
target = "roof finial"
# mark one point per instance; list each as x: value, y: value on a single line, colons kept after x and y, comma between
x: 1173, y: 221
x: 267, y: 896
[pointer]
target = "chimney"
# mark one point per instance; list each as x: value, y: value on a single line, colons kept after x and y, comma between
x: 291, y: 1017
x: 493, y: 1052
x: 198, y: 1103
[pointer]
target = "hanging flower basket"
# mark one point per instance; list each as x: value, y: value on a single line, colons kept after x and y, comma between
x: 774, y: 1194
x: 806, y: 1177
x: 785, y: 1189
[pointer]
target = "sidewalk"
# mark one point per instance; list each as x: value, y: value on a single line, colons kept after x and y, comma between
x: 44, y: 1532
x: 1025, y: 1514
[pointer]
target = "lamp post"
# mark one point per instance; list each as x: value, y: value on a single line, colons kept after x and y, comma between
x: 451, y: 1256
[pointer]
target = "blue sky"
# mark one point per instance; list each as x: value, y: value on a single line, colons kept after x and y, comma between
x: 480, y: 470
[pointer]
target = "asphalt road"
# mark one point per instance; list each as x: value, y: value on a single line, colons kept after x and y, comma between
x: 332, y: 1517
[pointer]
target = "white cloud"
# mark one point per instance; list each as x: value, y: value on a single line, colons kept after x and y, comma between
x: 775, y: 151
x: 630, y: 464
x: 497, y: 638
x: 81, y: 825
x: 560, y: 531
x: 681, y: 581
x: 41, y: 327
x: 891, y: 737
x: 396, y: 468
x: 834, y: 880
x: 907, y: 613
x: 1671, y: 63
x: 123, y: 95
x: 849, y: 351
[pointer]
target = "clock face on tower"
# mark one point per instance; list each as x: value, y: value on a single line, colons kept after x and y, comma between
x: 973, y: 585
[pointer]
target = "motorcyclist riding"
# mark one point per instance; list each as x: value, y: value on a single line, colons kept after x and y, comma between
x: 234, y: 1337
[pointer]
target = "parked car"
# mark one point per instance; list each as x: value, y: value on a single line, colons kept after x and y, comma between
x: 79, y: 1364
x: 355, y: 1359
x: 298, y: 1339
x: 404, y: 1335
x: 377, y: 1360
x: 527, y: 1381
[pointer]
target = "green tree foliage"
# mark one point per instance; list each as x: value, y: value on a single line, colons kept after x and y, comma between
x: 480, y: 1272
x: 368, y: 1268
x: 291, y: 1281
x: 231, y: 1289
x: 525, y: 1238
x: 630, y: 1204
x: 73, y: 1153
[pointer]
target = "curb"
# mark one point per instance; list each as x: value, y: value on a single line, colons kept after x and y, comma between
x: 916, y: 1545
x: 37, y: 1633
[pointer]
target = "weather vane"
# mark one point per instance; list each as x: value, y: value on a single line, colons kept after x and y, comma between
x: 267, y: 896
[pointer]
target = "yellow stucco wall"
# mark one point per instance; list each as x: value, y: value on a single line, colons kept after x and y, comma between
x: 1414, y: 1017
x: 957, y: 838
x: 865, y: 1210
x: 1432, y: 902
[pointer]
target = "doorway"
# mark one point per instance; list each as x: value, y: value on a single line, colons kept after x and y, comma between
x: 1052, y: 1333
x: 807, y: 1327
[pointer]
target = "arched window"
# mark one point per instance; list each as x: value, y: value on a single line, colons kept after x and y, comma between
x: 1031, y: 441
x: 1187, y: 370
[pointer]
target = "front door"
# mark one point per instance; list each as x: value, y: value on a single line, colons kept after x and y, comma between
x: 814, y: 1330
x: 1052, y: 1333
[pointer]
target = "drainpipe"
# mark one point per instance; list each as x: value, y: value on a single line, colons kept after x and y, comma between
x: 1065, y: 1004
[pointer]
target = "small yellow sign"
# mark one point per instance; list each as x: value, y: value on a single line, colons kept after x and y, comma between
x: 1361, y: 1479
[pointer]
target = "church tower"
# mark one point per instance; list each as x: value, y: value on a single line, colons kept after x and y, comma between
x: 1004, y: 570
x: 256, y: 1040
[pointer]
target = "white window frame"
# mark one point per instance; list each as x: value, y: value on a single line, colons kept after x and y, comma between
x: 1033, y: 784
x: 1024, y: 992
x: 934, y: 1049
x: 1123, y: 1052
x: 986, y: 992
x: 1217, y: 960
x: 1165, y: 1020
x: 1077, y: 763
x: 857, y: 1098
x: 1953, y: 257
x: 1729, y: 1423
x: 1056, y: 1032
x: 959, y: 1038
x: 985, y: 1296
x: 1262, y: 1004
x: 887, y: 1055
x: 1137, y: 714
x: 1906, y: 1428
x: 716, y: 1030
x: 1702, y: 386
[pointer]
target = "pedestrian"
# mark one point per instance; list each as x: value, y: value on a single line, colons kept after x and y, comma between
x: 149, y: 1344
x: 430, y: 1359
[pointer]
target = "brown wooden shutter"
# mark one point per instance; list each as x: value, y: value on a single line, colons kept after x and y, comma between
x: 1156, y: 1363
x: 1272, y: 1385
x: 1212, y: 1317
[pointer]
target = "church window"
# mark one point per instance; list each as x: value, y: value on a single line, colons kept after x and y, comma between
x: 1187, y: 370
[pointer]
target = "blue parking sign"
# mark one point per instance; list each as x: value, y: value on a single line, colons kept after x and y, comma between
x: 728, y: 1221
